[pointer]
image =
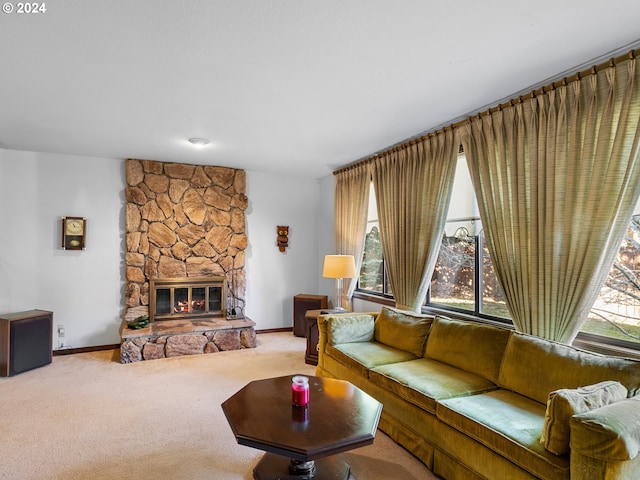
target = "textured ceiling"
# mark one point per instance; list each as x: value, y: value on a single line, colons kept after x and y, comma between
x: 293, y: 86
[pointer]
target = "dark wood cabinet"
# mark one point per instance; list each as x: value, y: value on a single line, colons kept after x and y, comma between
x: 25, y: 341
x: 302, y: 303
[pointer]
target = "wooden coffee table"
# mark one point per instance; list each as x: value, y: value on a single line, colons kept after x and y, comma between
x: 301, y: 442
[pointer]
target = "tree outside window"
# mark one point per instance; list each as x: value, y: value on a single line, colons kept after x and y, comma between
x: 616, y: 312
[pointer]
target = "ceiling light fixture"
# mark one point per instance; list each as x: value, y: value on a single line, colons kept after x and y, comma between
x: 198, y: 142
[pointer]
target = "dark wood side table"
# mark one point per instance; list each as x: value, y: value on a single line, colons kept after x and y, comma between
x: 302, y: 442
x: 313, y: 335
x: 301, y: 303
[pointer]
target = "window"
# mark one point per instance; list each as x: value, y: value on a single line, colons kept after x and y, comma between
x: 455, y: 280
x: 464, y: 279
x: 492, y: 302
x: 453, y: 284
x: 616, y: 312
x: 373, y: 276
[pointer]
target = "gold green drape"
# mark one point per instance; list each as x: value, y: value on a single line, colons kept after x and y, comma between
x: 557, y: 177
x: 413, y: 188
x: 351, y: 208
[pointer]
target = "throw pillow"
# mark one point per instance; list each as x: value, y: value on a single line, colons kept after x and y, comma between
x: 402, y: 329
x: 565, y: 403
x: 350, y: 328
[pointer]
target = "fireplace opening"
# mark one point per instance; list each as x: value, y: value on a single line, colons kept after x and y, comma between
x: 182, y: 298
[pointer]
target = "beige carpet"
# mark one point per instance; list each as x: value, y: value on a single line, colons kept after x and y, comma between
x: 86, y: 416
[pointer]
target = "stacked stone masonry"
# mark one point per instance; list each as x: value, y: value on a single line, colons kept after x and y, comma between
x: 182, y: 221
x: 183, y: 337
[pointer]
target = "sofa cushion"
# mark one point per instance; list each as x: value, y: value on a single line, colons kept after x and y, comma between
x: 565, y: 403
x: 350, y: 328
x: 362, y: 356
x: 608, y: 433
x: 402, y: 330
x: 536, y: 367
x: 509, y: 424
x: 470, y: 346
x: 424, y: 381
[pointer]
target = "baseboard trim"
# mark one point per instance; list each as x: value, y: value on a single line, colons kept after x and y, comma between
x: 275, y: 330
x: 96, y: 348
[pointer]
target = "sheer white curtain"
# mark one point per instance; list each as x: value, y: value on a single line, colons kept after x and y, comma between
x: 557, y: 177
x: 352, y: 205
x: 413, y: 186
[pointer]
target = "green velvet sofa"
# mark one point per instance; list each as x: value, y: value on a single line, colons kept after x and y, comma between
x: 474, y: 401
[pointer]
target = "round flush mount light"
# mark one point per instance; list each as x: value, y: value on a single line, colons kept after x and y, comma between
x: 198, y: 142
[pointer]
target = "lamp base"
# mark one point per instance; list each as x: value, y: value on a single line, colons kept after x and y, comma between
x: 337, y: 303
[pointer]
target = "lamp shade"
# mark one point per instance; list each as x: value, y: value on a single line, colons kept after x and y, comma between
x: 339, y: 266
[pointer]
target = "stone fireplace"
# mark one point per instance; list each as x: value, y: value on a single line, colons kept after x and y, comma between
x: 185, y: 233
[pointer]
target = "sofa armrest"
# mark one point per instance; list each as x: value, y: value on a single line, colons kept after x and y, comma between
x: 609, y: 433
x: 343, y: 330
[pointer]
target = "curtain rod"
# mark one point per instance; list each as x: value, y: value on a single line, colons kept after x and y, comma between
x: 519, y: 99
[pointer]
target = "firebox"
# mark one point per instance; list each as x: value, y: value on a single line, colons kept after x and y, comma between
x: 187, y: 298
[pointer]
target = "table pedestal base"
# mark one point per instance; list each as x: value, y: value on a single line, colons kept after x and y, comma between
x: 276, y: 467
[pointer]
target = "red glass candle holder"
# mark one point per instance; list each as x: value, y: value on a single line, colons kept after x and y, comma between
x: 300, y: 390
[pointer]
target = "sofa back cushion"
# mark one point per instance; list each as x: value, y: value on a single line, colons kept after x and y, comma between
x: 470, y: 346
x: 403, y: 330
x: 535, y: 367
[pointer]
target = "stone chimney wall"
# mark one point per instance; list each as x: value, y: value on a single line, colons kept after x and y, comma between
x: 182, y: 220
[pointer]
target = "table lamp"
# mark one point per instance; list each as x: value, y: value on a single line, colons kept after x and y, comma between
x: 339, y: 267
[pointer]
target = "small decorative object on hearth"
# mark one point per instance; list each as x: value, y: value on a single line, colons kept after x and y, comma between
x: 300, y: 390
x: 234, y: 311
x: 139, y: 322
x: 283, y: 237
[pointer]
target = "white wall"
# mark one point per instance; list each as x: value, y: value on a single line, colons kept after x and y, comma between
x: 326, y: 232
x: 5, y: 284
x: 360, y: 305
x: 84, y: 288
x: 463, y: 201
x: 274, y: 278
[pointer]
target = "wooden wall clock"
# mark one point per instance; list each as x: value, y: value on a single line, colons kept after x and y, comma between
x: 73, y: 233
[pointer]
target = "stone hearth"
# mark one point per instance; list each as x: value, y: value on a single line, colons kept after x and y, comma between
x: 173, y: 338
